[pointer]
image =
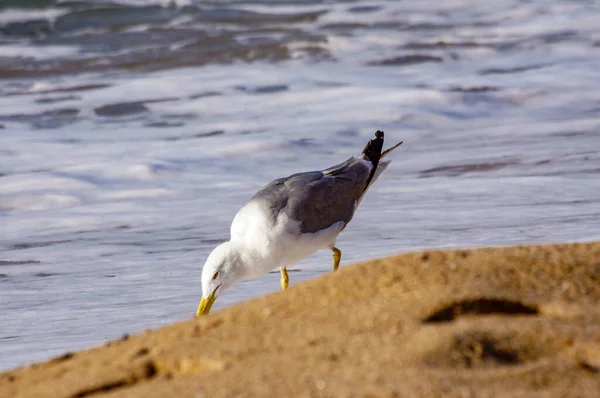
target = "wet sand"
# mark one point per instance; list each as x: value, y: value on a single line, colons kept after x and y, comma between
x: 493, y: 322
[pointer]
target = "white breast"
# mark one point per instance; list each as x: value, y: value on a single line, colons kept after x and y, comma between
x: 293, y: 246
x: 253, y: 221
x: 277, y: 244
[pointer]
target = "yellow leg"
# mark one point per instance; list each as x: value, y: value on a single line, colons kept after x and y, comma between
x: 285, y: 279
x: 337, y: 256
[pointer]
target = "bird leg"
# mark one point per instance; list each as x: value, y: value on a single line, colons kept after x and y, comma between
x: 285, y: 279
x: 337, y: 256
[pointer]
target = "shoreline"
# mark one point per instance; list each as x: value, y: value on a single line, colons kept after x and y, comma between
x: 501, y: 322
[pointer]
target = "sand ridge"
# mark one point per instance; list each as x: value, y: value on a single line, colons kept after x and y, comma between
x: 492, y: 322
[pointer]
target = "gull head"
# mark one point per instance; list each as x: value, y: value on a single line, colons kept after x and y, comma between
x: 223, y: 269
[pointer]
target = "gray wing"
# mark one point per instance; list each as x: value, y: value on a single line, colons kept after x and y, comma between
x: 318, y: 199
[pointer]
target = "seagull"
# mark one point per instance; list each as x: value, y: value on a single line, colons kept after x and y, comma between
x: 290, y: 219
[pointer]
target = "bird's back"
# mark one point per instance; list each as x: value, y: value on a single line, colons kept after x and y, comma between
x: 317, y: 199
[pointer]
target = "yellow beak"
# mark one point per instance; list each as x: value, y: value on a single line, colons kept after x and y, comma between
x: 206, y: 303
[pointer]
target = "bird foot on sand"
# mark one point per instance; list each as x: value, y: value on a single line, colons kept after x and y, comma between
x: 337, y: 257
x: 285, y: 279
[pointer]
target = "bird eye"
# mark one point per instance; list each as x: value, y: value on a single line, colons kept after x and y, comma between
x: 216, y: 275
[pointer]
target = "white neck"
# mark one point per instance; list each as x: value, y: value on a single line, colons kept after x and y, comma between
x: 252, y: 262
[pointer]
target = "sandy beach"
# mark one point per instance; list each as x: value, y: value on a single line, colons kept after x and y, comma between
x: 492, y: 322
x: 132, y: 131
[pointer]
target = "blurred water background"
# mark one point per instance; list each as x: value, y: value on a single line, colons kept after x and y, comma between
x: 131, y: 131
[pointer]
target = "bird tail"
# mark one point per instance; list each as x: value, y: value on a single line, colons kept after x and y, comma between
x: 373, y: 153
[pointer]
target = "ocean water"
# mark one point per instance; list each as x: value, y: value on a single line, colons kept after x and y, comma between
x: 132, y: 131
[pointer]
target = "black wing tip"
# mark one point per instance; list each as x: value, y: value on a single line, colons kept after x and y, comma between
x: 372, y: 153
x: 373, y: 149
